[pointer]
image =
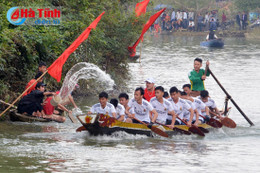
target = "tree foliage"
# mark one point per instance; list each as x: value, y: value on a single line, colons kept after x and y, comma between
x: 23, y: 47
x: 247, y: 5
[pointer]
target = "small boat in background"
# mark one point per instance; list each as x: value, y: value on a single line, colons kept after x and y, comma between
x: 217, y: 43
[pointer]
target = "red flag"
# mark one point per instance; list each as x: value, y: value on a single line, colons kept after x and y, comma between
x: 140, y: 7
x: 146, y: 27
x: 55, y: 69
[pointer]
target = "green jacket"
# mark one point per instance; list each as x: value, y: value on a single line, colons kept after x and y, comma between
x: 195, y: 79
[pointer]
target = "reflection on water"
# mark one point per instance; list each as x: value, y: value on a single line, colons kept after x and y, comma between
x: 54, y: 147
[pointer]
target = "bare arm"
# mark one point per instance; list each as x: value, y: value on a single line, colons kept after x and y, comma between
x: 63, y: 108
x: 191, y: 116
x: 72, y: 101
x: 173, y: 119
x: 155, y: 115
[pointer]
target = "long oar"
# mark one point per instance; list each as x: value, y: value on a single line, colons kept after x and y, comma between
x: 154, y: 129
x: 228, y: 122
x: 176, y: 128
x: 193, y: 129
x: 229, y: 97
x: 213, y: 122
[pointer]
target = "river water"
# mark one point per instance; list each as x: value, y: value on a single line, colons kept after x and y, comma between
x: 52, y: 147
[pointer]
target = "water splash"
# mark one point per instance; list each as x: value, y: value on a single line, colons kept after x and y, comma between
x: 85, y: 71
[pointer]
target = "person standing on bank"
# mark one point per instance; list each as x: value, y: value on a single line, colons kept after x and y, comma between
x: 197, y: 77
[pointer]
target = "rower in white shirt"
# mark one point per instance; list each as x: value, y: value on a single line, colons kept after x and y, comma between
x: 187, y: 114
x: 179, y: 106
x: 103, y: 107
x: 163, y: 107
x: 210, y: 103
x: 140, y: 108
x: 120, y: 110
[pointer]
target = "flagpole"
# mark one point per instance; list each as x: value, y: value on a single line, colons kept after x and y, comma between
x: 11, y: 105
x: 140, y: 52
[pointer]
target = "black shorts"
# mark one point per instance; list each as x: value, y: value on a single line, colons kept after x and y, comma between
x: 29, y: 108
x: 169, y: 122
x: 137, y: 122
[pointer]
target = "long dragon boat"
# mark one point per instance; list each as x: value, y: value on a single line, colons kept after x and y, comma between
x: 105, y: 125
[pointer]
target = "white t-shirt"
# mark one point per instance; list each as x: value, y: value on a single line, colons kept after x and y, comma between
x: 141, y: 111
x: 186, y: 114
x: 120, y: 110
x: 199, y: 106
x: 109, y: 109
x: 210, y: 103
x: 179, y: 108
x: 161, y: 108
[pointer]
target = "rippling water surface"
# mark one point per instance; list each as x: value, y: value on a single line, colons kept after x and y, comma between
x: 53, y: 147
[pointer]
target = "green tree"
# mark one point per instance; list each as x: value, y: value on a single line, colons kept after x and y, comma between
x: 23, y: 47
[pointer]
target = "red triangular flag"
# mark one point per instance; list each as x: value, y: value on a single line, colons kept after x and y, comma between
x: 145, y: 28
x: 55, y: 69
x: 140, y: 7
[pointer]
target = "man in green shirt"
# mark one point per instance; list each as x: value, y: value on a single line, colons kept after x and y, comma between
x: 197, y: 77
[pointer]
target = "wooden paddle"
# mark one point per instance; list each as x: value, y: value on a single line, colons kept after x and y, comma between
x: 154, y: 129
x: 72, y: 118
x: 228, y: 122
x: 193, y: 129
x: 213, y: 122
x: 229, y: 97
x: 176, y: 128
x: 81, y: 128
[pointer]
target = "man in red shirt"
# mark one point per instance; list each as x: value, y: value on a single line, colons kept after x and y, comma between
x: 149, y: 91
x: 31, y: 82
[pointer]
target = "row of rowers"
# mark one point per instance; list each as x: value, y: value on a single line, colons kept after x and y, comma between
x: 158, y: 106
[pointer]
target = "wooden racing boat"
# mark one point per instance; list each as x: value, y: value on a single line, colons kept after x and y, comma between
x: 105, y: 125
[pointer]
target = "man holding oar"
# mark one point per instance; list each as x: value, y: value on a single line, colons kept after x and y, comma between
x: 103, y: 107
x: 141, y: 108
x: 162, y: 107
x: 179, y: 106
x: 197, y: 77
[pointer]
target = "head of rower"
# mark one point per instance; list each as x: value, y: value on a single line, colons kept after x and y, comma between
x: 103, y: 97
x: 197, y: 64
x: 174, y: 93
x: 139, y: 93
x: 204, y: 96
x: 187, y: 89
x: 159, y: 92
x: 150, y: 84
x: 40, y: 86
x: 123, y: 99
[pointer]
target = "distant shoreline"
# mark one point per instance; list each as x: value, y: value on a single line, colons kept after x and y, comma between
x: 204, y: 33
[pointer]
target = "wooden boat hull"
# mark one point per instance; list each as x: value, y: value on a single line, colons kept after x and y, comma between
x: 105, y: 125
x: 14, y: 116
x: 217, y: 43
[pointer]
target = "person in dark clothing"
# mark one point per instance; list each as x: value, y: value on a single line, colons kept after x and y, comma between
x: 32, y: 103
x: 212, y: 25
x: 244, y: 21
x: 238, y: 20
